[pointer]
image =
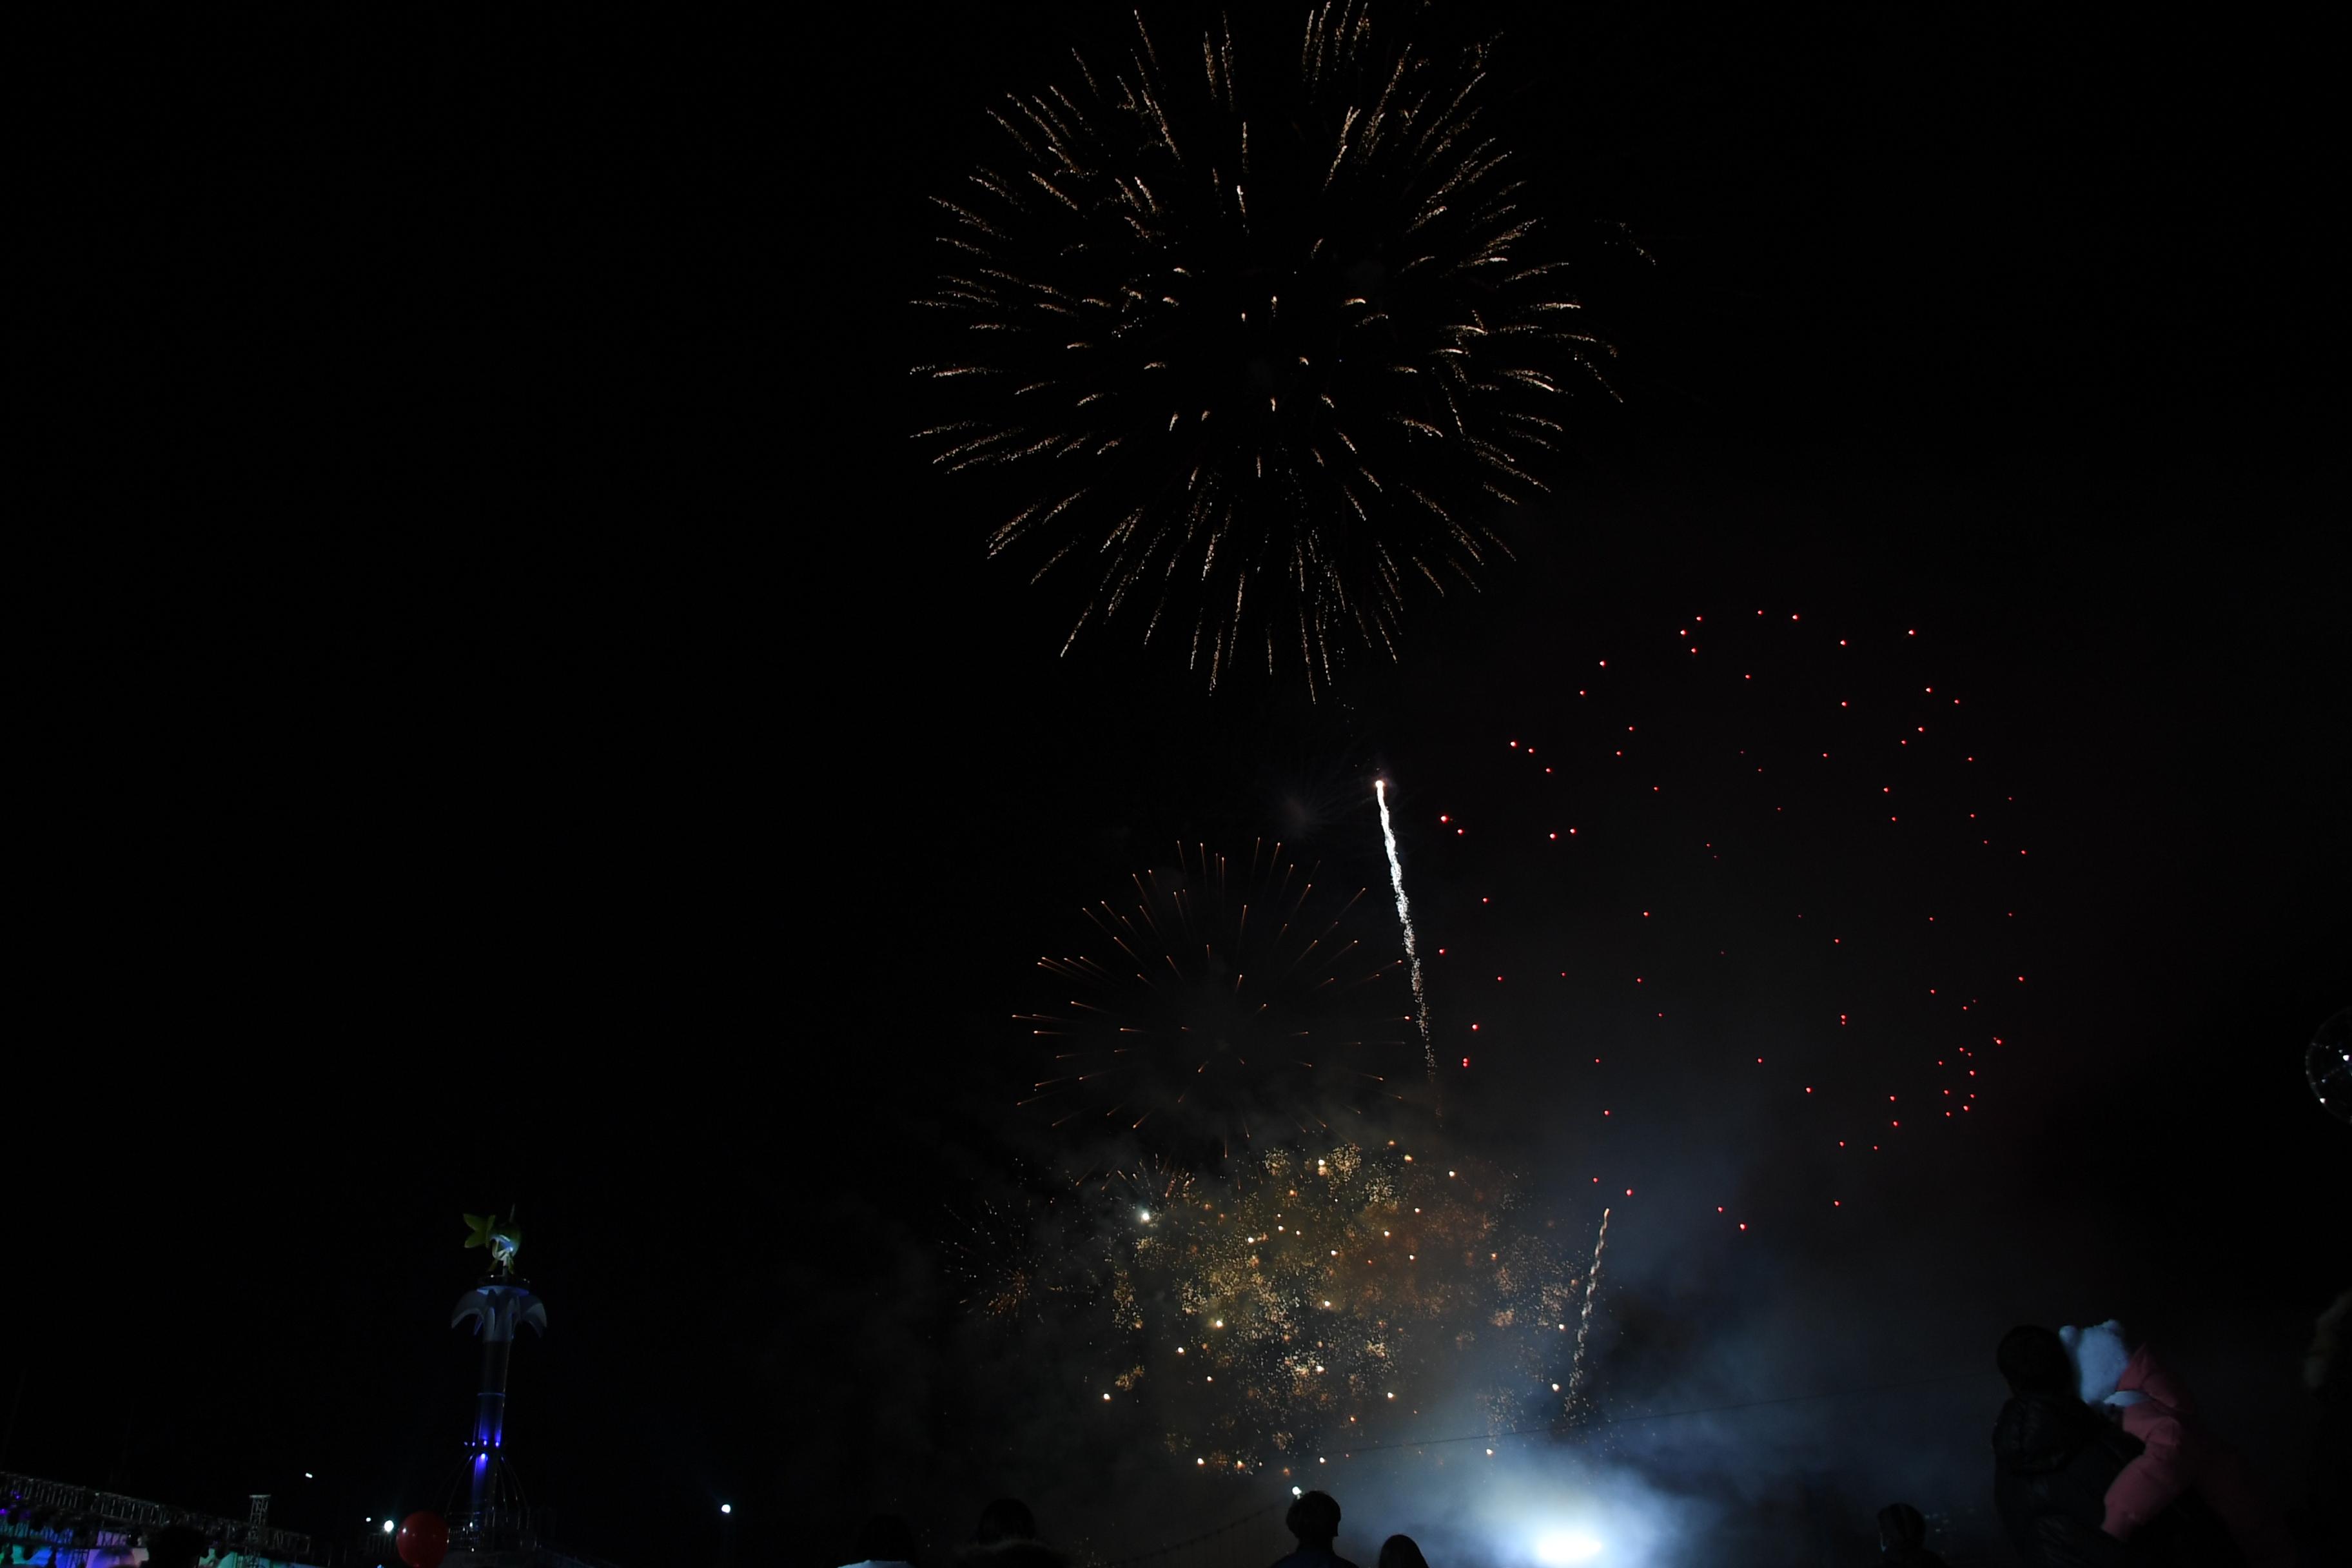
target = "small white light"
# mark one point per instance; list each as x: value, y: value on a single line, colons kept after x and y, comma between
x: 387, y: 1527
x: 308, y: 1477
x: 1147, y: 1217
x: 726, y: 1507
x: 1297, y: 1491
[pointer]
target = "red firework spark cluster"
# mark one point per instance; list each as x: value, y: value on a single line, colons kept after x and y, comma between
x: 1772, y: 860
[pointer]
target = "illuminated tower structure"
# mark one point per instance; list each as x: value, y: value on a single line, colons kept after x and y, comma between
x: 489, y: 1518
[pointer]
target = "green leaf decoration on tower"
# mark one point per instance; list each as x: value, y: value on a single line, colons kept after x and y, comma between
x: 503, y: 1237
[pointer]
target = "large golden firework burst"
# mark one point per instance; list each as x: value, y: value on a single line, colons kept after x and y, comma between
x: 1253, y: 349
x: 1305, y: 1303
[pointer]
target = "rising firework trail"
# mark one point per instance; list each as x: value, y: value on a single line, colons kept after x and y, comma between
x: 1405, y: 919
x: 1584, y: 1322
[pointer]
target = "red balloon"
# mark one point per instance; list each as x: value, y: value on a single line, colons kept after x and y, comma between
x: 423, y: 1541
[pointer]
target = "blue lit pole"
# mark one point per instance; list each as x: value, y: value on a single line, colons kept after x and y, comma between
x: 498, y: 1305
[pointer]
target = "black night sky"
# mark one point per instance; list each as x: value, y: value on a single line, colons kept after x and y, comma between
x: 529, y: 728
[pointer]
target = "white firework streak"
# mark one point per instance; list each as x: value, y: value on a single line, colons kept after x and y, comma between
x: 1584, y: 1324
x: 1405, y: 919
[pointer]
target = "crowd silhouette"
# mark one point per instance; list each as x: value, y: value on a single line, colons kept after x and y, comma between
x: 2101, y: 1459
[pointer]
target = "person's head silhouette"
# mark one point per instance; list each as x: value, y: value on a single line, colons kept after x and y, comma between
x: 1006, y: 1518
x: 1314, y: 1518
x: 1901, y: 1528
x: 2034, y: 1361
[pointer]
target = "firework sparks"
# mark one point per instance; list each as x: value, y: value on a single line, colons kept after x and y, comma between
x: 1894, y: 995
x: 1300, y: 1303
x: 1412, y: 947
x: 1584, y: 1318
x: 1253, y: 383
x: 1224, y: 1003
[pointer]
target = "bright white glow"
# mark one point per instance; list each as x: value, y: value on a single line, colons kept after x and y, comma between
x: 1147, y: 1217
x: 726, y: 1507
x: 387, y: 1527
x: 1565, y: 1546
x: 1297, y: 1491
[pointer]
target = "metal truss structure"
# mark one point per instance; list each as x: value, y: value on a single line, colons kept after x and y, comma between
x: 59, y: 1514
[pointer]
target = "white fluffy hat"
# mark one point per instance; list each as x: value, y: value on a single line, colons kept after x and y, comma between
x: 2099, y: 1355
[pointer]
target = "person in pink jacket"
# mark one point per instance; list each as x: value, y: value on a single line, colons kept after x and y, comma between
x: 2178, y: 1454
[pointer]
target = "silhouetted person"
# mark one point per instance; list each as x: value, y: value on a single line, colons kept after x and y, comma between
x: 2327, y: 1372
x: 176, y: 1546
x: 1902, y: 1538
x: 1402, y: 1552
x: 1006, y: 1537
x: 1006, y: 1518
x: 884, y: 1540
x: 2054, y: 1458
x: 2123, y: 1382
x: 1314, y: 1518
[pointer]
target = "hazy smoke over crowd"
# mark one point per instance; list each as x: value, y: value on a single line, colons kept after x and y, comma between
x: 1749, y: 1392
x: 1633, y: 1017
